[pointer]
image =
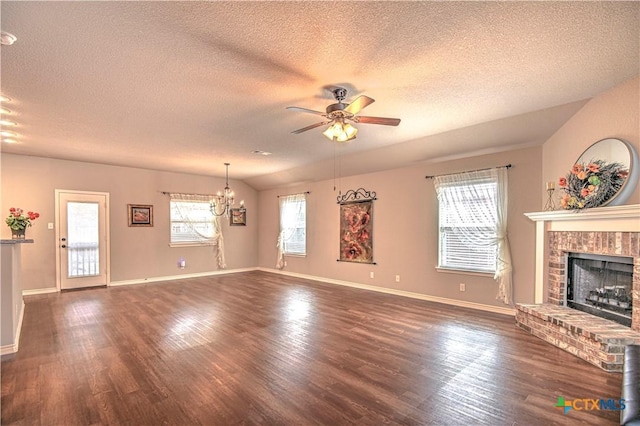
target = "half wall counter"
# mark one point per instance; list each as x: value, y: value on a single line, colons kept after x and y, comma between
x: 12, y: 304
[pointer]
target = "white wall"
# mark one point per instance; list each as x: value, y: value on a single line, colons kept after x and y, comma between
x: 405, y: 232
x: 136, y: 252
x: 612, y: 114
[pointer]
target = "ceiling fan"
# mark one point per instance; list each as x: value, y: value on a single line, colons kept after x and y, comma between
x: 339, y: 113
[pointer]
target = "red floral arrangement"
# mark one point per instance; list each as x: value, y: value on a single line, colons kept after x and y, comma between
x: 18, y: 221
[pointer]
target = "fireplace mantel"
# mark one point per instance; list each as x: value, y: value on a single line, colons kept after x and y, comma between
x: 605, y: 219
x: 609, y: 219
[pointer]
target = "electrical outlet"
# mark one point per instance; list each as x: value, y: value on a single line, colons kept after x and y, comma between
x: 371, y: 274
x: 397, y: 278
x: 463, y: 287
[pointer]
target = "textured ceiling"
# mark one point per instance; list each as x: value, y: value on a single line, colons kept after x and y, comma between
x: 187, y: 86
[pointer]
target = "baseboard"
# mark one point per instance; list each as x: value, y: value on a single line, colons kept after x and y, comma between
x: 8, y: 349
x: 39, y: 291
x: 444, y: 300
x: 11, y: 349
x: 180, y: 277
x: 148, y: 280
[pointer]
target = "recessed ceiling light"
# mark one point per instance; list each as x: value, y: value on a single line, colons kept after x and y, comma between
x: 259, y: 152
x: 8, y: 140
x: 7, y: 39
x: 5, y: 110
x: 8, y: 123
x: 4, y: 99
x: 7, y: 134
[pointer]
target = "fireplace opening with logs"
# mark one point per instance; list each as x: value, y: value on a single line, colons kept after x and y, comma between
x: 600, y: 285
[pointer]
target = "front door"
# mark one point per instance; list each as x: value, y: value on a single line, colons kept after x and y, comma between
x: 82, y: 239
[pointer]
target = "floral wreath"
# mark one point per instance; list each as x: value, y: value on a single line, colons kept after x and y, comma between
x: 591, y: 184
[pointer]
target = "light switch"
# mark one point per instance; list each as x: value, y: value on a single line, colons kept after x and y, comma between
x: 49, y: 225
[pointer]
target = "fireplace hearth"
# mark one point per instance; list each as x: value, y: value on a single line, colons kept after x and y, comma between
x: 600, y: 285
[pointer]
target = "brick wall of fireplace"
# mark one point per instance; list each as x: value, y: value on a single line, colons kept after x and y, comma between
x: 603, y: 243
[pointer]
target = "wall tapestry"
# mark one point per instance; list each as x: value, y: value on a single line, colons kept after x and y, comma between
x: 356, y: 226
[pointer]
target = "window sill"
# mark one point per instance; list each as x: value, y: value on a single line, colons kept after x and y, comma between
x: 295, y: 255
x: 189, y: 245
x: 465, y: 272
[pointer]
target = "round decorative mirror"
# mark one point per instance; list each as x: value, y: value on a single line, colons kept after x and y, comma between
x: 606, y: 173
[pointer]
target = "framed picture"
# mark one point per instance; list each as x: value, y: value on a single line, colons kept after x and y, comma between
x: 356, y: 232
x: 140, y: 215
x: 238, y: 217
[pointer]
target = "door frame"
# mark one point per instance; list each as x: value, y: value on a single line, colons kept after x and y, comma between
x: 57, y: 232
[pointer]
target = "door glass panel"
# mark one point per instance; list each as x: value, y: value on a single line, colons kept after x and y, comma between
x: 83, y: 239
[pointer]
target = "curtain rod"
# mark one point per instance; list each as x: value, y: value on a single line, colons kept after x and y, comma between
x: 186, y: 193
x: 305, y: 192
x: 508, y: 166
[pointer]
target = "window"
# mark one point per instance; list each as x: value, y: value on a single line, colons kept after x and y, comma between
x: 292, y: 238
x: 468, y: 221
x: 192, y: 222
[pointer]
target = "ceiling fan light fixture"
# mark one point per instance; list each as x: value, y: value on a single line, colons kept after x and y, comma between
x: 342, y: 138
x: 337, y: 113
x: 329, y: 132
x: 340, y: 131
x: 350, y: 131
x: 334, y: 131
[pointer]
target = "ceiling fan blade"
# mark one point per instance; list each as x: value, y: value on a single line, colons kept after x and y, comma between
x: 377, y: 120
x: 310, y: 111
x: 359, y: 104
x: 313, y: 126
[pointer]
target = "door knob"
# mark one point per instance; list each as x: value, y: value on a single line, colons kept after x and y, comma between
x: 63, y: 239
x: 63, y: 246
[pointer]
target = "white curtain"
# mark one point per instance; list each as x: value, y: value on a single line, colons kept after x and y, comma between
x: 218, y: 244
x: 186, y: 214
x: 291, y: 209
x: 503, y: 261
x: 482, y: 222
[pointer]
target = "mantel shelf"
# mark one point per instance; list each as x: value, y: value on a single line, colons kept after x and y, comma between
x: 631, y: 211
x: 602, y: 219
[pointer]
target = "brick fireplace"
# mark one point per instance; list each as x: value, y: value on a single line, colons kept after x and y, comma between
x: 609, y: 231
x: 603, y: 243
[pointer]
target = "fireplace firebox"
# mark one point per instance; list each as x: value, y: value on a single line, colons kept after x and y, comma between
x: 600, y: 285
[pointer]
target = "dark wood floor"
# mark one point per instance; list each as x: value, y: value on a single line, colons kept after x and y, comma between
x: 260, y: 348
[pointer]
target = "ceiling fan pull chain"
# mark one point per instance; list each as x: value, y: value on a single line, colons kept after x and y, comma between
x: 334, y: 167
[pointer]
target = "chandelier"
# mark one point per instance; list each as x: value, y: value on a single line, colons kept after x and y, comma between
x: 222, y: 201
